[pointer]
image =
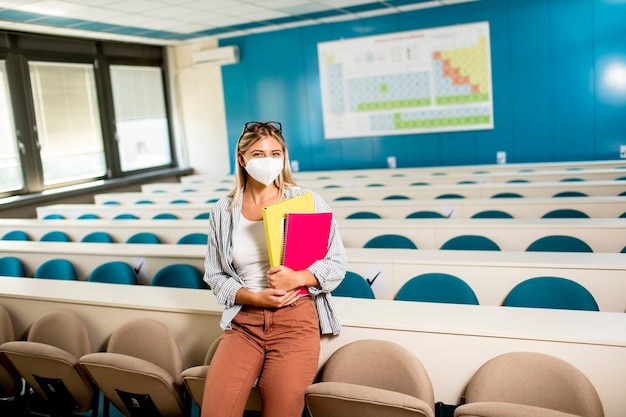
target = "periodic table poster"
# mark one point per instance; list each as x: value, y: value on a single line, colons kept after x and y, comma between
x: 422, y: 81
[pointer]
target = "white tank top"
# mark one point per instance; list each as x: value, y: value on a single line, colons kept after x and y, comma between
x: 250, y: 253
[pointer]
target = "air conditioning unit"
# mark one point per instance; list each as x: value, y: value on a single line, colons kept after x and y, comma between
x: 217, y: 56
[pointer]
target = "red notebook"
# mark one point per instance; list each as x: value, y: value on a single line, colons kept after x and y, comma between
x: 306, y: 239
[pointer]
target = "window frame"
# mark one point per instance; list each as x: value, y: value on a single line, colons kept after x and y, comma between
x: 18, y: 49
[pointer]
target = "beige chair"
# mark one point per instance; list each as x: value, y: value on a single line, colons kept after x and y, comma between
x: 372, y: 378
x: 529, y: 384
x: 48, y: 362
x: 140, y: 372
x: 194, y: 379
x: 10, y: 382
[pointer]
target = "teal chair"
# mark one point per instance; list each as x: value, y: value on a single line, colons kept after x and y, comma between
x: 178, y: 276
x: 570, y: 194
x: 114, y: 272
x: 144, y: 202
x: 572, y: 179
x: 144, y: 237
x: 565, y: 214
x: 559, y: 243
x: 88, y: 216
x: 11, y: 266
x: 355, y: 286
x: 448, y: 195
x: 492, y: 214
x: 53, y: 216
x: 517, y: 180
x: 62, y: 269
x: 425, y: 214
x: 16, y: 235
x: 112, y: 203
x: 165, y: 216
x: 346, y: 198
x: 125, y: 216
x: 55, y: 236
x: 97, y: 237
x: 179, y: 201
x: 507, y: 195
x: 551, y: 292
x: 202, y: 216
x: 470, y: 242
x: 396, y: 197
x: 390, y: 241
x: 436, y: 287
x: 194, y: 239
x: 363, y: 215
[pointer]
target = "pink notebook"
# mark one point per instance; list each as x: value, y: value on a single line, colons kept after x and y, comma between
x: 306, y: 239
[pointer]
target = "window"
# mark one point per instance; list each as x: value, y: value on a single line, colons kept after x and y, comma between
x: 140, y: 117
x: 10, y: 166
x: 69, y: 133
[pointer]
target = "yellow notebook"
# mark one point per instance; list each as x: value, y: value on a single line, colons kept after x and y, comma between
x: 273, y: 219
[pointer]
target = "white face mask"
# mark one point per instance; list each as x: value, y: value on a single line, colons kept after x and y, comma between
x: 264, y: 170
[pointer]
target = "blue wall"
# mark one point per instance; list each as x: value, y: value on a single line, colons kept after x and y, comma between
x: 550, y: 100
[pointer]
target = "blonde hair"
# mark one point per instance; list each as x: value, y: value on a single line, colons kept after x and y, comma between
x: 252, y: 133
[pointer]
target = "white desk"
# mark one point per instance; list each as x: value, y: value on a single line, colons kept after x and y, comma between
x: 542, y: 189
x: 343, y: 181
x: 490, y: 274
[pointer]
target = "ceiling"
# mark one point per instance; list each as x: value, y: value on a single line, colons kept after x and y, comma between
x: 167, y: 22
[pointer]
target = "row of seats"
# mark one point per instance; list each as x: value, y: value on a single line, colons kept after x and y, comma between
x: 141, y: 374
x: 537, y: 292
x: 104, y: 237
x: 552, y: 243
x: 485, y: 214
x: 114, y: 272
x: 124, y: 216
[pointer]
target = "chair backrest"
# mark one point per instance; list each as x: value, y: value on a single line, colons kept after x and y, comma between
x: 55, y: 236
x: 425, y: 214
x: 507, y: 195
x: 492, y: 214
x: 390, y: 241
x: 139, y: 337
x: 125, y: 216
x: 449, y: 195
x: 48, y: 361
x: 437, y: 287
x: 396, y: 197
x: 202, y: 216
x: 194, y: 239
x: 165, y: 216
x: 346, y: 198
x: 88, y: 216
x: 565, y: 214
x: 114, y: 272
x: 470, y: 242
x: 379, y: 364
x: 10, y: 266
x: 144, y: 237
x: 558, y: 243
x: 551, y: 292
x: 363, y: 215
x: 355, y: 286
x: 16, y: 235
x: 570, y: 194
x: 140, y: 372
x: 9, y: 378
x: 533, y: 379
x: 62, y: 269
x: 178, y: 276
x: 97, y: 237
x: 53, y: 216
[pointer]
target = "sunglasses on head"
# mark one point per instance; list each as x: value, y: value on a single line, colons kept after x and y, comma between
x: 253, y: 126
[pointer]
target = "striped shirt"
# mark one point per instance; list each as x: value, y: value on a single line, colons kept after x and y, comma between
x: 221, y: 276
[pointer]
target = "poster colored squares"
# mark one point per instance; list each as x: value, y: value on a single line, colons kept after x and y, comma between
x: 422, y: 81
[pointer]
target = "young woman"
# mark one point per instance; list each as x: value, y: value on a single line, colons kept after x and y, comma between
x: 271, y: 330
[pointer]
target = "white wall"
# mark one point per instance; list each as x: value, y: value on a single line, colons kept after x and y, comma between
x: 198, y: 111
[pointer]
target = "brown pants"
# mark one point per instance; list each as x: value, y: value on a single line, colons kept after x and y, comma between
x: 280, y: 347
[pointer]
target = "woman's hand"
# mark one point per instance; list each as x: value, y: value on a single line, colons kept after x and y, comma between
x: 274, y: 298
